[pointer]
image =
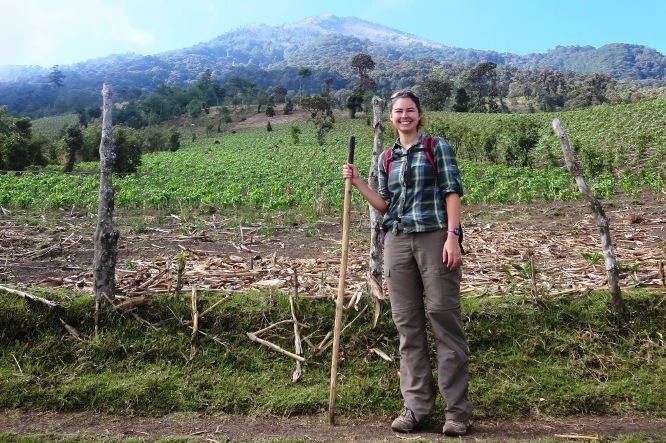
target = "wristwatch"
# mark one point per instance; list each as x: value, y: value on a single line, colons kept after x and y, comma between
x: 455, y: 231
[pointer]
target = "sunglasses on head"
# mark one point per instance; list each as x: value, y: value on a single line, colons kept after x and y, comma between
x: 404, y: 92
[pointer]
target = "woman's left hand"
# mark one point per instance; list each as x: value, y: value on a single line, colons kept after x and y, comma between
x: 451, y: 255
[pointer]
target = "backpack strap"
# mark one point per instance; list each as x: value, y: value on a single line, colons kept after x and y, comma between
x: 387, y: 159
x: 428, y: 148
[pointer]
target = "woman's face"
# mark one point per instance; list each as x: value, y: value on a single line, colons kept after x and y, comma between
x: 405, y: 115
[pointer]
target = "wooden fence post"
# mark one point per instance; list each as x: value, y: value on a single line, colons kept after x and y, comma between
x: 602, y: 221
x: 105, y: 238
x: 376, y: 247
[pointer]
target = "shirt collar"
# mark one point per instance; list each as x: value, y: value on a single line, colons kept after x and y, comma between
x: 397, y: 147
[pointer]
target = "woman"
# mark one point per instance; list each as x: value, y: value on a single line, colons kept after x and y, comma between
x: 421, y: 208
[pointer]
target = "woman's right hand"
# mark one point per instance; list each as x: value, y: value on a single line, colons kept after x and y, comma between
x: 350, y: 171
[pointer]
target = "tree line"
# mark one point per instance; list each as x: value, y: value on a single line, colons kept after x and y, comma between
x: 483, y: 88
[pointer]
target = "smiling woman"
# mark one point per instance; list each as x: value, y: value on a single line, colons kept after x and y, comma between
x: 420, y: 199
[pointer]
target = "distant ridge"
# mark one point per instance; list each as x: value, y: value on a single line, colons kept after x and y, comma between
x: 268, y: 55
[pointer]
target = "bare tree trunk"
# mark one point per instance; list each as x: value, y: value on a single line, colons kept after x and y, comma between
x: 602, y: 221
x: 105, y: 238
x: 376, y: 247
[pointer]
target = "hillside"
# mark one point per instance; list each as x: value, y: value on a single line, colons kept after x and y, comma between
x: 272, y: 55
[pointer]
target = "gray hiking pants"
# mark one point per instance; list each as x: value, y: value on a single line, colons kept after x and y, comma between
x: 413, y: 266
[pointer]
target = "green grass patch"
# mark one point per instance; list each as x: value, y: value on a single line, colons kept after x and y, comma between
x: 568, y: 358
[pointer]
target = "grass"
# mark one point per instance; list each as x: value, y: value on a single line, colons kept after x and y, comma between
x: 565, y: 359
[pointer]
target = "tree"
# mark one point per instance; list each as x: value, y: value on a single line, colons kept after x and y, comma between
x: 363, y: 63
x: 591, y: 91
x: 219, y: 92
x: 295, y: 131
x: 354, y: 103
x: 270, y: 107
x: 483, y: 81
x: 437, y: 93
x: 84, y: 118
x: 304, y: 73
x: 18, y: 148
x: 194, y: 108
x: 288, y: 107
x: 128, y: 151
x: 328, y: 81
x: 74, y: 142
x: 316, y: 104
x: 56, y: 77
x: 461, y: 101
x: 279, y: 93
x: 323, y: 125
x: 262, y: 99
x: 241, y: 87
x: 174, y: 139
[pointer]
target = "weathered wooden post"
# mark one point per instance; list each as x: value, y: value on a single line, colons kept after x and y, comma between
x: 375, y: 267
x: 602, y: 221
x: 105, y: 238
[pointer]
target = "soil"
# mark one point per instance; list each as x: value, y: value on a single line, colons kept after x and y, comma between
x: 221, y: 428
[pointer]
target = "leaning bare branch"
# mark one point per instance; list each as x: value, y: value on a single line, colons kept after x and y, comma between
x: 195, y: 324
x: 268, y: 328
x: 73, y: 332
x: 274, y: 347
x: 210, y: 309
x: 298, y: 348
x: 322, y: 347
x: 381, y: 354
x: 30, y: 297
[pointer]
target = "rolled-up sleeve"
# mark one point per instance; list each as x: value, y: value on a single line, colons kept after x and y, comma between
x: 383, y: 178
x: 448, y: 174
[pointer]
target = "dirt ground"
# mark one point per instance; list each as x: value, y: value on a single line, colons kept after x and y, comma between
x: 221, y: 428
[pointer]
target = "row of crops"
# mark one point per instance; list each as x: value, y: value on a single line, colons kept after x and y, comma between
x: 255, y: 168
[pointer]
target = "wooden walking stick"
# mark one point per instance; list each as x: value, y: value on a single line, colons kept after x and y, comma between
x: 341, y: 284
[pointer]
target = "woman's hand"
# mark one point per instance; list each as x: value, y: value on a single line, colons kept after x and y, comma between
x: 451, y: 255
x: 350, y: 171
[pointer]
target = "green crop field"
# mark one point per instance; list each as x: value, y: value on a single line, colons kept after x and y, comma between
x: 622, y: 150
x: 52, y: 126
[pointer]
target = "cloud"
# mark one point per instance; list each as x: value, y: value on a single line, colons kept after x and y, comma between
x: 49, y: 32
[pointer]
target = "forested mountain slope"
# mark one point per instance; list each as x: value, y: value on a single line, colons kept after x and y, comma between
x: 272, y: 55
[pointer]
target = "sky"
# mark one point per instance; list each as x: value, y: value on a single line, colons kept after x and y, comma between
x: 61, y: 32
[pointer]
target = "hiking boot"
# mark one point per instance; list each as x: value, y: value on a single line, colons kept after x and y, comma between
x: 405, y: 422
x: 455, y: 428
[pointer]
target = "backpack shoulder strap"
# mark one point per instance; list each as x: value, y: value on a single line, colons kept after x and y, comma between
x: 387, y: 159
x: 429, y: 149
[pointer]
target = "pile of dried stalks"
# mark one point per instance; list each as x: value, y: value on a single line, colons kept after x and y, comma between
x: 500, y: 259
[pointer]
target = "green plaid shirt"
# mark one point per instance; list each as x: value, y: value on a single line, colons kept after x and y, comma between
x: 419, y: 202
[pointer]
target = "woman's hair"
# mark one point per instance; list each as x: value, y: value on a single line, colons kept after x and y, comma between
x: 415, y: 98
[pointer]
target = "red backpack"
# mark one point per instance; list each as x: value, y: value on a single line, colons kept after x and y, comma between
x: 429, y: 151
